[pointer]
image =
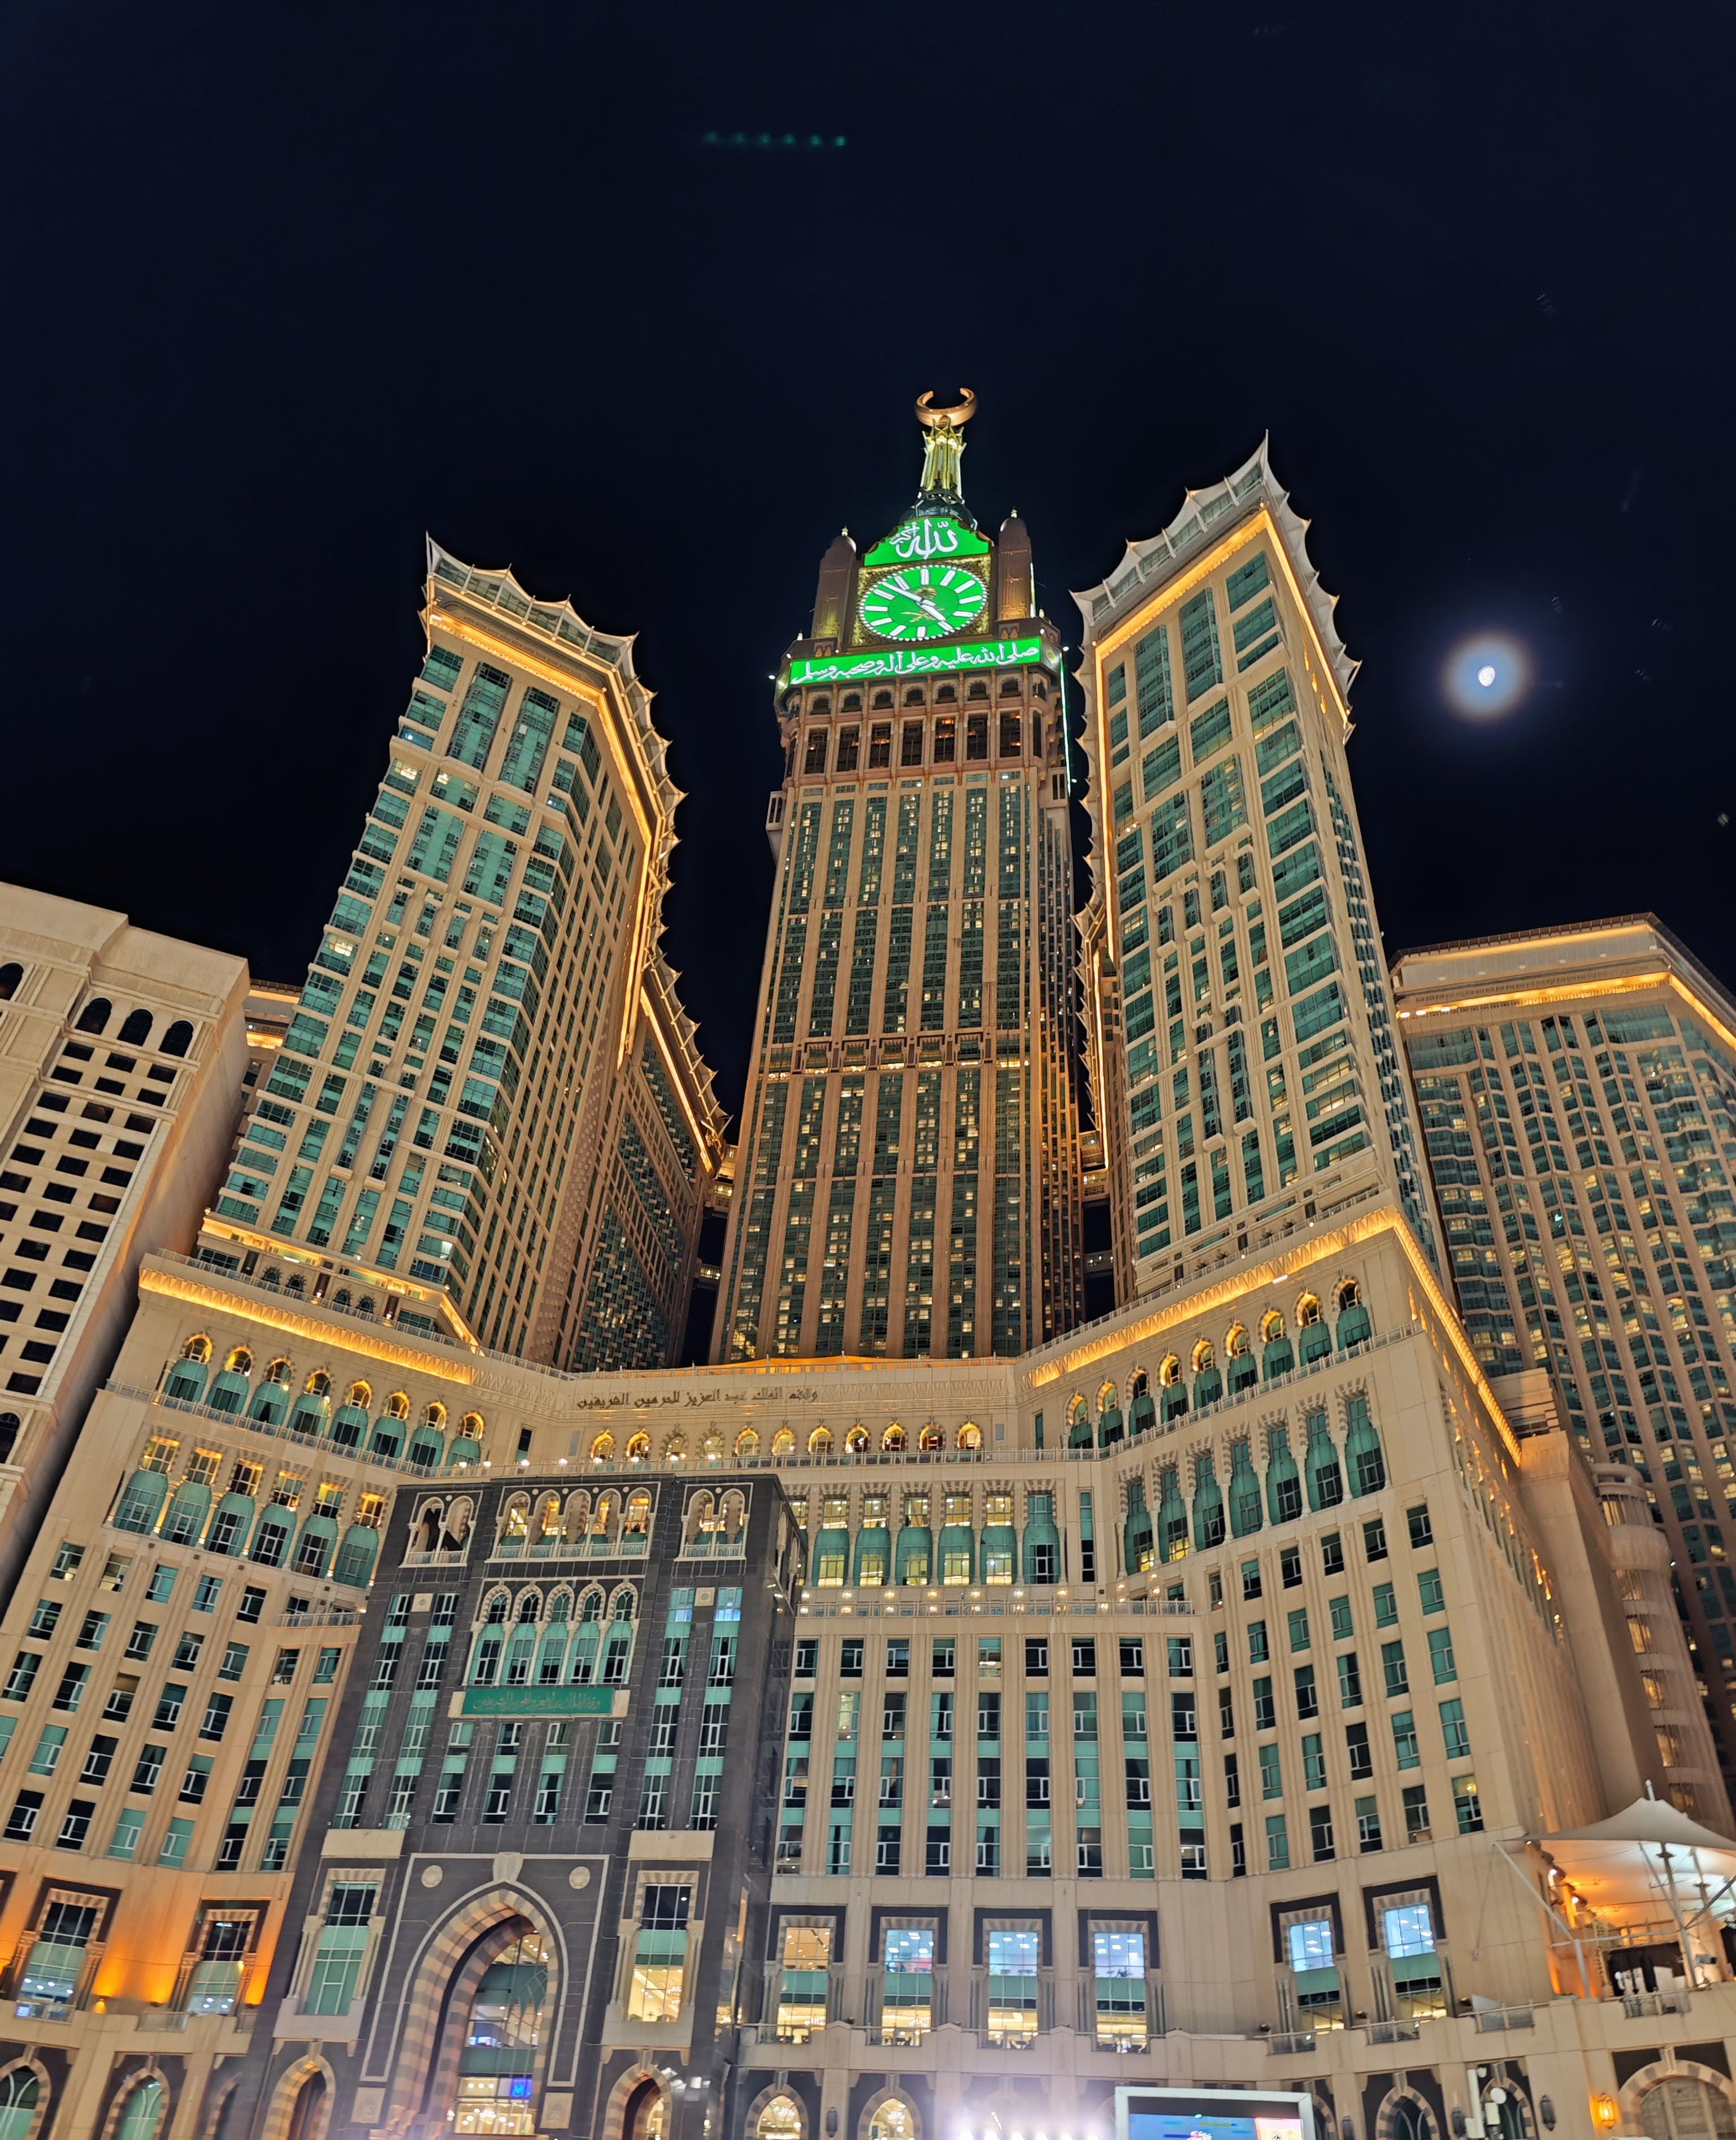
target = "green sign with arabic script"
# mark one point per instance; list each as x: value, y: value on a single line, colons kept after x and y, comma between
x: 920, y: 660
x: 539, y: 1700
x: 925, y: 538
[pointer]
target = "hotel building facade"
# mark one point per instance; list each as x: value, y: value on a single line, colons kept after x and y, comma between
x: 1577, y: 1093
x: 423, y: 1708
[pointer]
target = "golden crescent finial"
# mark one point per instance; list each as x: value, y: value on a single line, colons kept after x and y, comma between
x: 960, y: 413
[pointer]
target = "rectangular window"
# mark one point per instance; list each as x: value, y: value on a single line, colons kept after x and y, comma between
x: 1202, y: 663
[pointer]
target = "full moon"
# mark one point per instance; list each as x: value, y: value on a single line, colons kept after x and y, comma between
x: 1487, y: 676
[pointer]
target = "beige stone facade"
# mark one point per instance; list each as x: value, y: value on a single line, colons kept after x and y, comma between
x: 1041, y: 1580
x: 121, y: 1054
x: 1577, y: 1090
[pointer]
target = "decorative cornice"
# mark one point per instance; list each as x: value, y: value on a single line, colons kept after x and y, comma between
x: 1152, y: 564
x: 273, y: 1315
x: 1279, y: 1270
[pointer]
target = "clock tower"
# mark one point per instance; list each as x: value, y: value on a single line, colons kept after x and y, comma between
x: 908, y: 1179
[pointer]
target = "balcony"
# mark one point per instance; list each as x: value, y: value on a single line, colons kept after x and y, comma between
x: 1285, y: 2043
x: 1491, y: 2019
x: 1394, y: 2032
x: 1638, y: 2005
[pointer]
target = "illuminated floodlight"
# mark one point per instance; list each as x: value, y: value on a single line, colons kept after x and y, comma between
x: 1488, y: 675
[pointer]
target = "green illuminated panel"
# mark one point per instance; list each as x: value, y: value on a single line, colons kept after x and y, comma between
x: 539, y: 1700
x: 920, y: 661
x: 922, y: 539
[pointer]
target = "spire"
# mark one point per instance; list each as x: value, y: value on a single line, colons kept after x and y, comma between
x: 941, y: 453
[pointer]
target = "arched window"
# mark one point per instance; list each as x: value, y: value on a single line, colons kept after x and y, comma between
x: 515, y: 1524
x: 427, y: 1449
x: 892, y: 2121
x: 304, y: 2117
x: 970, y: 1435
x: 1410, y: 2120
x: 1683, y: 2108
x: 135, y: 1028
x: 581, y: 1669
x: 434, y: 1416
x: 272, y: 1401
x: 780, y: 2120
x: 94, y: 1017
x: 1354, y: 1325
x: 1315, y: 1335
x: 142, y: 2113
x: 1276, y: 1356
x: 746, y: 1442
x: 1244, y: 1370
x: 675, y: 1448
x: 783, y: 1442
x: 602, y: 1447
x: 1141, y: 1405
x: 638, y: 1448
x: 10, y: 976
x: 349, y: 1423
x: 179, y: 1039
x: 618, y: 1651
x: 21, y: 2091
x: 186, y: 1380
x: 931, y: 1440
x: 546, y: 1531
x: 10, y: 1424
x: 819, y: 1442
x: 892, y: 1442
x: 356, y: 1556
x: 1079, y: 1432
x: 496, y: 2078
x: 855, y: 1441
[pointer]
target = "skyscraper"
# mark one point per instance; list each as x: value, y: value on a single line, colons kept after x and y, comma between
x: 1577, y: 1088
x: 120, y: 1062
x: 1242, y: 1044
x: 908, y: 1179
x: 489, y: 1112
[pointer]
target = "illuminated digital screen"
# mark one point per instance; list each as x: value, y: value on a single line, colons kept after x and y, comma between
x: 919, y: 661
x: 1185, y: 2125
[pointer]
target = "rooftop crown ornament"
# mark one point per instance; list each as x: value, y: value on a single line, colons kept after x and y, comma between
x: 943, y: 449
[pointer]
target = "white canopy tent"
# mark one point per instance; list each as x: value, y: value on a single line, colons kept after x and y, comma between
x: 1649, y: 1853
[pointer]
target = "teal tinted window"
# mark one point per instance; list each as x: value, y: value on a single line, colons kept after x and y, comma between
x: 1246, y: 581
x: 1271, y: 699
x: 1161, y: 767
x: 1256, y: 634
x: 1222, y: 800
x: 1151, y: 675
x: 1172, y: 843
x: 1210, y: 731
x: 1202, y: 662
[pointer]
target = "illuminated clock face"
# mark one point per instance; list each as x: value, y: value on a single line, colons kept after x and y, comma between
x: 923, y: 602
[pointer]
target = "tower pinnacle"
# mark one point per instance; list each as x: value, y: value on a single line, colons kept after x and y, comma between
x: 942, y: 451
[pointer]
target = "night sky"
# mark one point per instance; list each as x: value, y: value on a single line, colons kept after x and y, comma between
x: 285, y: 287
